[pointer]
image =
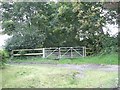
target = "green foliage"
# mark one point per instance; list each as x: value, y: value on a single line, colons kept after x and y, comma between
x: 22, y: 52
x: 29, y: 24
x: 9, y: 27
x: 44, y: 24
x: 23, y: 42
x: 110, y: 44
x: 3, y: 58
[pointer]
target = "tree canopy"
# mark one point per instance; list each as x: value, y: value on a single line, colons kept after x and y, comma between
x: 49, y: 24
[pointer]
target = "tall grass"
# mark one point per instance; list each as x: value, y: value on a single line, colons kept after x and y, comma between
x: 111, y: 58
x: 99, y: 59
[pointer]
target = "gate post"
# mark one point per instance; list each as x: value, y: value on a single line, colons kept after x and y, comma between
x: 84, y: 51
x: 12, y: 55
x: 43, y: 52
x: 59, y: 53
x: 71, y: 52
x: 12, y: 52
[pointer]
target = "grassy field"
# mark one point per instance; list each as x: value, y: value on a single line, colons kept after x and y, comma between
x: 34, y: 76
x: 111, y: 58
x: 45, y: 76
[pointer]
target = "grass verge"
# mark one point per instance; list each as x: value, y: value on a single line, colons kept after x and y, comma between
x: 111, y: 58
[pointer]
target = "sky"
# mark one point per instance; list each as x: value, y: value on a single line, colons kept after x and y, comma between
x: 112, y: 29
x: 3, y: 38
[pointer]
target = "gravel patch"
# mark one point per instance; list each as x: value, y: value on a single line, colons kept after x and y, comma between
x: 82, y: 67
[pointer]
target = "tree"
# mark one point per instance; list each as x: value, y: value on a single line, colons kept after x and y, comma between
x: 50, y: 24
x: 25, y: 20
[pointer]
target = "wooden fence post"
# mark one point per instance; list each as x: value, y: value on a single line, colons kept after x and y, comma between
x: 83, y: 52
x: 71, y: 52
x: 59, y: 53
x: 43, y: 52
x: 12, y: 52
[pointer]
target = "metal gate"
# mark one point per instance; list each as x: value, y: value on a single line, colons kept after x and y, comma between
x: 64, y: 52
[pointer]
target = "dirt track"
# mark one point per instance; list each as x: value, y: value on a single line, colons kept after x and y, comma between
x: 82, y: 67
